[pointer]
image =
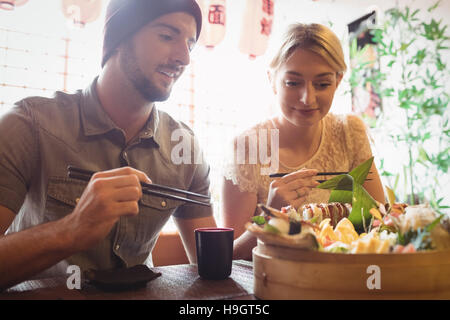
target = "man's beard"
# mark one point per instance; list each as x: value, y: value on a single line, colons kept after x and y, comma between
x: 142, y: 84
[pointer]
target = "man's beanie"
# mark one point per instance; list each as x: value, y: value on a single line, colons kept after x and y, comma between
x: 126, y: 17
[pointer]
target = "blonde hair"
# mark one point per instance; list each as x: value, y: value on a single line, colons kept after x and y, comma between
x: 314, y: 37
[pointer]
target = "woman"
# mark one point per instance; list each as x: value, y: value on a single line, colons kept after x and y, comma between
x: 304, y: 75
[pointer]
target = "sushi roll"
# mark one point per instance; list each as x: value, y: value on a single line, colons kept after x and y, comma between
x: 335, y: 211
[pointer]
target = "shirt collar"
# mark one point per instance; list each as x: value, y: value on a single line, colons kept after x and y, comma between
x: 95, y: 121
x: 152, y: 127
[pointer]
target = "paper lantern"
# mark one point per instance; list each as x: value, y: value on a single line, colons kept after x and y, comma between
x: 256, y: 27
x: 80, y: 12
x: 214, y: 22
x: 11, y: 4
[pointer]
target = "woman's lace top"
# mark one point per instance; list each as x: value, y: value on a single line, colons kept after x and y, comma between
x: 343, y: 146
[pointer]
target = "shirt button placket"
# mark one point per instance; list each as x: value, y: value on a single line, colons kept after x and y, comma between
x: 124, y: 158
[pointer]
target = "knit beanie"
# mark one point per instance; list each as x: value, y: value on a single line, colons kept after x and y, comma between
x: 126, y: 17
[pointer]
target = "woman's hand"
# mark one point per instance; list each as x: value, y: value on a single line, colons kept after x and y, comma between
x: 292, y: 188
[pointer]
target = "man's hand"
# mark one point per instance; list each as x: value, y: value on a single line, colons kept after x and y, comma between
x: 108, y: 196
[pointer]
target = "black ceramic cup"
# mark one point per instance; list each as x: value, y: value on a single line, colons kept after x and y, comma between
x: 214, y: 252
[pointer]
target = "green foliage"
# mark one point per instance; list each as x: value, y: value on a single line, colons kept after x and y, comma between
x: 411, y: 48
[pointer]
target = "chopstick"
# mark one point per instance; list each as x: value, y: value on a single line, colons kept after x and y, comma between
x: 85, y: 175
x: 147, y: 185
x: 320, y: 181
x: 278, y: 175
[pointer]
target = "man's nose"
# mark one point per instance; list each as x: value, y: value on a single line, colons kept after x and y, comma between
x: 182, y: 54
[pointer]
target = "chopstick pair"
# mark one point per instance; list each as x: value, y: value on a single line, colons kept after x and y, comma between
x: 85, y: 175
x: 279, y: 175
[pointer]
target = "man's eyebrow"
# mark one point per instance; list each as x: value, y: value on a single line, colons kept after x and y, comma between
x: 165, y: 25
x: 324, y: 74
x: 168, y: 26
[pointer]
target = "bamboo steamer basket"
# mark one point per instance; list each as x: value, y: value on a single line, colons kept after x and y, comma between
x: 283, y: 273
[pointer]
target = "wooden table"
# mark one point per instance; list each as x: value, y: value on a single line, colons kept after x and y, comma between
x: 177, y: 282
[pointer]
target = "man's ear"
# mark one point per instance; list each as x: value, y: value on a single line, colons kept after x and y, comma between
x: 271, y: 75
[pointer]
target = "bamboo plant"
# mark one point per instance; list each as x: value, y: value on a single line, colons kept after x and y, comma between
x: 412, y: 80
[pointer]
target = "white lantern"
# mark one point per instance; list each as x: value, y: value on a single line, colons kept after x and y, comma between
x: 11, y: 4
x: 214, y: 22
x: 256, y: 27
x: 80, y: 12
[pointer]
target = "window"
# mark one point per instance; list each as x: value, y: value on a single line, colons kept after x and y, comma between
x: 225, y: 93
x: 40, y: 54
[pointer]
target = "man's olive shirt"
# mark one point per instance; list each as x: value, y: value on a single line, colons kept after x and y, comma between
x: 40, y: 137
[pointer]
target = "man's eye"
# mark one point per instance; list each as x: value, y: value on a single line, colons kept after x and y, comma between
x: 165, y: 37
x: 191, y: 46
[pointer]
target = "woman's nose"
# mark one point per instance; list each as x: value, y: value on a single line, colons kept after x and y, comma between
x: 308, y: 94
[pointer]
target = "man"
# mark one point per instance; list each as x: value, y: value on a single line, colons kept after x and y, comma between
x: 111, y: 127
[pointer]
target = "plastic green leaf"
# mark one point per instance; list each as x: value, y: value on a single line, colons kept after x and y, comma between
x: 359, y: 174
x: 347, y: 188
x: 361, y: 205
x: 341, y: 182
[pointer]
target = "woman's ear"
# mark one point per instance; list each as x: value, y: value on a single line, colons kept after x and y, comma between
x: 271, y: 76
x: 339, y: 77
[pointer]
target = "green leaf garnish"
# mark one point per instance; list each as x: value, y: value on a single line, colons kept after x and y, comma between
x: 362, y: 203
x: 259, y: 220
x: 340, y: 182
x: 271, y: 229
x: 359, y: 174
x: 420, y: 238
x: 347, y: 188
x: 338, y: 250
x: 430, y: 226
x: 314, y: 219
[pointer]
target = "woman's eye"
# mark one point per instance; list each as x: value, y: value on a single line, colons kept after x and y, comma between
x: 291, y: 83
x: 323, y: 85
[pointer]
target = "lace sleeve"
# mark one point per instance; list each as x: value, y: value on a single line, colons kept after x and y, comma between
x: 358, y: 137
x: 239, y: 170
